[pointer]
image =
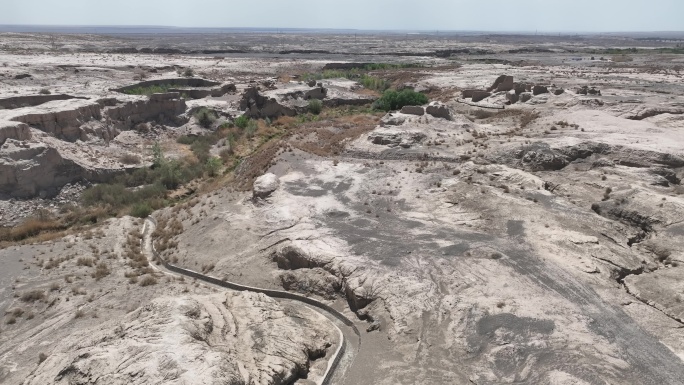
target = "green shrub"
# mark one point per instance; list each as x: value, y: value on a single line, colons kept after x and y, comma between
x: 205, y: 117
x: 315, y: 106
x: 251, y: 128
x: 241, y: 121
x: 186, y: 139
x: 170, y: 174
x: 213, y: 166
x: 394, y: 100
x: 117, y: 195
x: 374, y: 83
x: 141, y: 210
x: 157, y: 154
x: 201, y: 149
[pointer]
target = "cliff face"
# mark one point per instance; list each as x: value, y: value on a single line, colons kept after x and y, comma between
x: 30, y: 169
x: 61, y: 118
x: 159, y: 107
x: 40, y: 164
x: 13, y: 130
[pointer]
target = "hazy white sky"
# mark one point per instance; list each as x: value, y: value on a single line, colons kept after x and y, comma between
x: 489, y: 15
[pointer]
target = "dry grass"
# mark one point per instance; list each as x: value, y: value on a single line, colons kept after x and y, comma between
x: 528, y: 117
x: 329, y: 137
x: 101, y: 271
x: 33, y: 296
x: 31, y: 227
x: 44, y: 228
x: 322, y: 135
x: 129, y: 159
x: 148, y: 280
x: 83, y: 261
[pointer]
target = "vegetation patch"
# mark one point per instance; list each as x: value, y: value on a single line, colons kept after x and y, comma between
x: 149, y: 90
x: 205, y: 117
x: 395, y: 100
x: 368, y: 81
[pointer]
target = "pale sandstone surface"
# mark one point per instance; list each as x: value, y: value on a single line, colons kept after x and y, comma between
x: 536, y: 242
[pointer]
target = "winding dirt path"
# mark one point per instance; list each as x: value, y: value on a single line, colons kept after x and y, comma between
x: 349, y: 336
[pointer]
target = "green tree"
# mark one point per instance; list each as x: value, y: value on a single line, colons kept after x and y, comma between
x: 213, y: 166
x: 157, y: 155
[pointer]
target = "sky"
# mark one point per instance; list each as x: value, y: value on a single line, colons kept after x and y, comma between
x: 427, y: 15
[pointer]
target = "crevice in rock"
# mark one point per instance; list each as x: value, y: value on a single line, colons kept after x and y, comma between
x: 609, y: 210
x: 621, y: 273
x: 648, y: 303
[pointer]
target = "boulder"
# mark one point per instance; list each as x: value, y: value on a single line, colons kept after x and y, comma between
x: 525, y: 97
x: 439, y: 110
x: 512, y: 97
x: 402, y: 139
x: 558, y: 91
x: 480, y: 95
x: 265, y: 185
x: 539, y: 99
x: 393, y: 120
x: 413, y: 110
x: 585, y: 90
x: 520, y: 88
x: 228, y: 87
x: 540, y: 156
x: 538, y: 90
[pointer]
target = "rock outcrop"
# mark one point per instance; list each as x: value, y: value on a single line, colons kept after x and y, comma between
x: 233, y: 338
x: 585, y: 90
x: 512, y: 97
x: 258, y: 106
x: 413, y: 110
x: 265, y: 185
x: 26, y: 169
x: 538, y: 90
x: 158, y: 107
x: 525, y: 97
x: 438, y: 110
x: 14, y: 130
x: 61, y: 118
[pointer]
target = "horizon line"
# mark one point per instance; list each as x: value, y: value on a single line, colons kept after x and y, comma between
x: 171, y: 27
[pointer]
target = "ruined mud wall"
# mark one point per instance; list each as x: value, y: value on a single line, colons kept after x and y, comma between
x: 31, y: 100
